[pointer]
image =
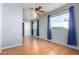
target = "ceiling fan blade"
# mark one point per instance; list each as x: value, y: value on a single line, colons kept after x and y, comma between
x: 41, y: 11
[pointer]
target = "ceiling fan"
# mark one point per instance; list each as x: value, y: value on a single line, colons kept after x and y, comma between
x: 39, y: 10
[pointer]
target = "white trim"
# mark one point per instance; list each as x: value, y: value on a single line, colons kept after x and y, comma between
x: 11, y: 46
x: 0, y: 50
x: 60, y: 13
x: 73, y: 47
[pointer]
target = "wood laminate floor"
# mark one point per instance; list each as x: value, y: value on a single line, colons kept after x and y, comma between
x: 38, y: 46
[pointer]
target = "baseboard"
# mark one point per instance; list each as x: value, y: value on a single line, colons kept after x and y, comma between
x: 40, y: 37
x: 73, y: 47
x: 11, y: 46
x: 0, y: 50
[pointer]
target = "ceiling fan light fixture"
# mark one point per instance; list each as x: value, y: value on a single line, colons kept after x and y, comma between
x: 39, y: 10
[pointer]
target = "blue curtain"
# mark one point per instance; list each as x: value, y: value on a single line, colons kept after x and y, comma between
x: 37, y: 27
x: 49, y: 28
x: 31, y: 27
x: 72, y: 32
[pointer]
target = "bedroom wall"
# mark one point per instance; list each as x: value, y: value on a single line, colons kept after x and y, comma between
x: 43, y: 24
x: 0, y: 26
x: 11, y: 25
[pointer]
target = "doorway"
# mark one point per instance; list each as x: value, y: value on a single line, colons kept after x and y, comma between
x: 23, y: 29
x: 36, y: 27
x: 27, y: 28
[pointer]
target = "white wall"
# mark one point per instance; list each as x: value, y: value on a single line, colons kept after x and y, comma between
x: 77, y: 22
x: 27, y: 28
x: 60, y: 35
x: 11, y: 25
x: 0, y: 25
x: 43, y: 26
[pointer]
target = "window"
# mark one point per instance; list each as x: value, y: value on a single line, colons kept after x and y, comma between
x: 60, y: 21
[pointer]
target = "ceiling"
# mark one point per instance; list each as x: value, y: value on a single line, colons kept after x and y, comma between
x: 48, y: 7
